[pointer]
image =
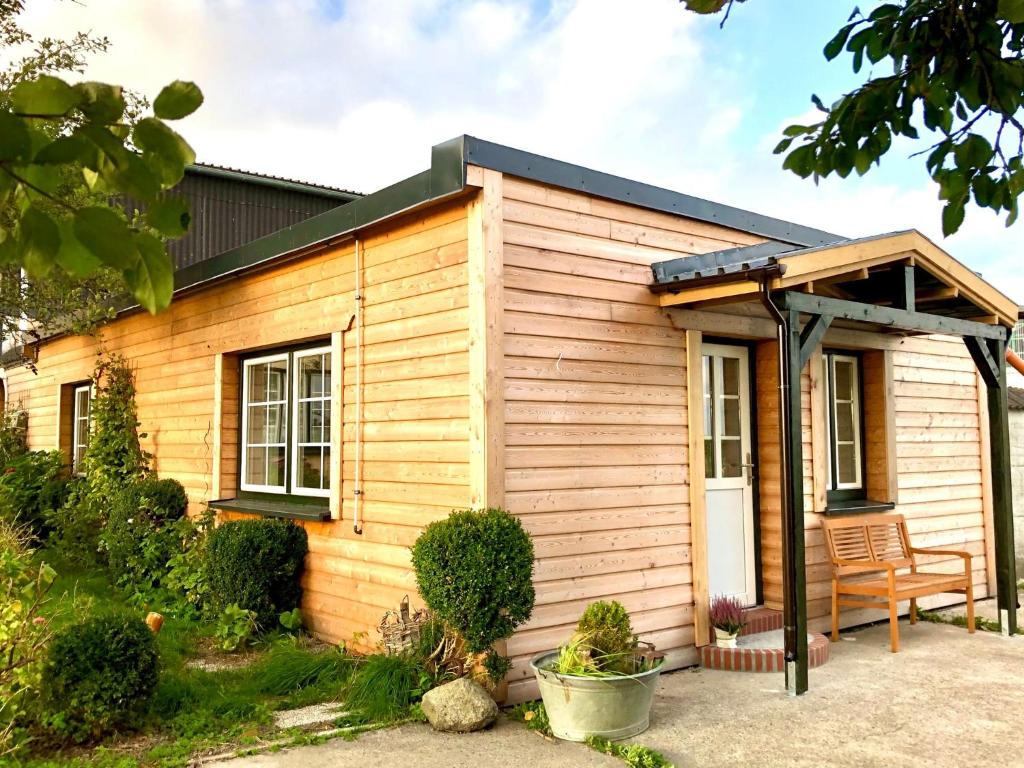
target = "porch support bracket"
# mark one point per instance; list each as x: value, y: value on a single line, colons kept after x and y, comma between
x: 811, y: 337
x: 990, y: 357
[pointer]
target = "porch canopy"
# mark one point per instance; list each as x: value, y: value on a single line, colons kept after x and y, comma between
x: 898, y: 283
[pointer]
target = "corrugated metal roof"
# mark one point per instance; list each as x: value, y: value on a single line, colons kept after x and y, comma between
x: 719, y: 263
x: 265, y: 178
x: 1015, y: 398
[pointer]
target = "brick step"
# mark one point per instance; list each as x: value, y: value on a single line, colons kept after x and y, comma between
x: 761, y: 652
x: 759, y: 619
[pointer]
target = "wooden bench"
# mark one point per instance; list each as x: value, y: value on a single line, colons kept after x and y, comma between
x: 862, y: 545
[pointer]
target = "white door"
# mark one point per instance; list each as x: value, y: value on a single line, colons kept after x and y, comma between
x: 728, y: 470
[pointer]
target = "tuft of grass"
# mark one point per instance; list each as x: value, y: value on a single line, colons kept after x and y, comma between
x: 384, y: 688
x: 633, y: 755
x: 533, y: 715
x: 288, y: 668
x: 932, y: 617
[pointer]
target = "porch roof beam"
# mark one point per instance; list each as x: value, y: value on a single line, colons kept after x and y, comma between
x: 901, y: 319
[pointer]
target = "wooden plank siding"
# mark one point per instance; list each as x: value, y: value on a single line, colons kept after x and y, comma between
x: 415, y: 392
x: 596, y: 414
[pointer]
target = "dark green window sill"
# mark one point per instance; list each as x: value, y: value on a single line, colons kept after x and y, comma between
x: 274, y: 508
x: 857, y: 506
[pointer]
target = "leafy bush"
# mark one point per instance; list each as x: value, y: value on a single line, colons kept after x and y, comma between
x: 256, y: 564
x: 23, y: 632
x: 633, y: 755
x: 475, y: 572
x: 13, y: 434
x: 32, y: 485
x: 235, y: 627
x: 383, y: 688
x: 113, y: 461
x: 186, y: 579
x: 143, y: 532
x: 533, y: 715
x: 607, y: 628
x: 99, y: 676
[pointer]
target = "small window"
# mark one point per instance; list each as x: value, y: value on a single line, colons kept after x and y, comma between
x: 80, y: 425
x: 843, y: 421
x: 286, y: 423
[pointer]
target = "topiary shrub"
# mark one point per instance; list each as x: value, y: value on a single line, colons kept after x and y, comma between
x: 256, y: 565
x: 475, y: 572
x: 163, y: 498
x: 99, y: 676
x: 607, y: 628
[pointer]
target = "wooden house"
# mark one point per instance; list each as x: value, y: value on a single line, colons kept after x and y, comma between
x: 601, y: 357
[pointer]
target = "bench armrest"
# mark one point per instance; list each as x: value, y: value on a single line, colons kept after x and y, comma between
x: 936, y: 551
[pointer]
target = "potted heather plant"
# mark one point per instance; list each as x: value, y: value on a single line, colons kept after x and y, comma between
x: 726, y: 617
x: 602, y: 681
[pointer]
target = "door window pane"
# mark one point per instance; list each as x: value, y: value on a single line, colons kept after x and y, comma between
x: 313, y: 433
x: 731, y: 462
x: 842, y: 387
x: 266, y: 424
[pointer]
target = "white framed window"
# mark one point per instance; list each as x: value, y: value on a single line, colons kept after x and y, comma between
x: 264, y: 440
x: 81, y: 422
x: 843, y: 422
x: 311, y: 444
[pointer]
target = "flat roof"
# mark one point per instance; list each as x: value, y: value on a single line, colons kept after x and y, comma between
x: 446, y: 177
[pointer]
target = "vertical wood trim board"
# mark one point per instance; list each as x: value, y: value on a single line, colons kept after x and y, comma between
x: 337, y: 421
x: 988, y: 514
x: 881, y: 482
x: 819, y: 440
x: 698, y: 510
x: 218, y: 425
x: 889, y: 401
x: 486, y: 349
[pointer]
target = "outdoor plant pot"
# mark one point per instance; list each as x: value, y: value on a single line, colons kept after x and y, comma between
x: 725, y: 639
x: 579, y: 706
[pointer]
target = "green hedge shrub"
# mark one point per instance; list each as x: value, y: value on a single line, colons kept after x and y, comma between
x: 475, y: 572
x: 256, y: 565
x: 32, y: 485
x: 143, y: 532
x: 99, y: 676
x: 607, y: 628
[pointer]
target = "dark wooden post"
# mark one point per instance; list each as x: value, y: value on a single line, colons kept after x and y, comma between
x: 793, y: 561
x: 990, y: 357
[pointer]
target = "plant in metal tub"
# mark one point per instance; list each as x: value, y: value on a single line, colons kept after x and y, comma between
x: 602, y: 681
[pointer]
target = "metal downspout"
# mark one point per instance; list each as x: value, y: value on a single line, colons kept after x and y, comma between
x: 357, y: 491
x: 788, y: 553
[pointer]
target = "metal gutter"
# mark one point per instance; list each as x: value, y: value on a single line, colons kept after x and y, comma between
x: 288, y: 185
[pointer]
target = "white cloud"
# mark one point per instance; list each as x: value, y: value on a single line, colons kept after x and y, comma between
x: 356, y: 98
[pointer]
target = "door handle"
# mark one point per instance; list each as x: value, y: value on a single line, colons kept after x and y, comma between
x: 749, y: 465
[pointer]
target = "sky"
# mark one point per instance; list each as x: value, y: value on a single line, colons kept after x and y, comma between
x: 353, y: 93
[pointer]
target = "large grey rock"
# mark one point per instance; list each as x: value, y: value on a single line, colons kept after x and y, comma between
x: 460, y: 706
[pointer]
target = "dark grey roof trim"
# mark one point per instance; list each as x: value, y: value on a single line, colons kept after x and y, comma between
x: 731, y: 261
x: 290, y: 185
x: 555, y: 172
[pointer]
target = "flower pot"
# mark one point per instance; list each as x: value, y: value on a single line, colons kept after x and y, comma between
x: 612, y: 707
x: 725, y: 639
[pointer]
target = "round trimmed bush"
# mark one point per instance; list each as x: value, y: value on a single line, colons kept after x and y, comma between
x: 99, y: 676
x: 165, y: 499
x: 607, y: 628
x: 475, y: 572
x: 256, y: 565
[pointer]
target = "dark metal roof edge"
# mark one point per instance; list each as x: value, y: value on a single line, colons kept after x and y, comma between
x: 517, y: 162
x: 446, y: 177
x: 727, y: 261
x: 288, y: 185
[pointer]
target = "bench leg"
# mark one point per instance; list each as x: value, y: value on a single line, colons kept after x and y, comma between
x: 969, y: 593
x: 835, y: 612
x: 913, y: 610
x: 894, y: 625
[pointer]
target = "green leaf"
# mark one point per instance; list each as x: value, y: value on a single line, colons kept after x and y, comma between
x: 73, y: 257
x: 107, y: 236
x: 163, y: 149
x: 101, y: 102
x: 800, y: 161
x: 1011, y: 10
x: 177, y: 100
x: 952, y: 216
x: 835, y: 46
x: 15, y: 143
x: 973, y: 152
x: 65, y: 149
x: 169, y: 216
x: 39, y: 242
x: 152, y: 280
x: 704, y: 6
x: 44, y: 96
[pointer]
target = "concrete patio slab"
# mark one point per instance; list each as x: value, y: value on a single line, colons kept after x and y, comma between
x: 947, y: 699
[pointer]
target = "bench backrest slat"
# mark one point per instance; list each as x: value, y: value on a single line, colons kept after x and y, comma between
x: 867, y: 538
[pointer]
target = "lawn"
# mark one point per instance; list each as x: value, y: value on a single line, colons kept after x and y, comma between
x: 207, y: 700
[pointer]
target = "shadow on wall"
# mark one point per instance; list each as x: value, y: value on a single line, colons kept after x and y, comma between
x: 1015, y: 397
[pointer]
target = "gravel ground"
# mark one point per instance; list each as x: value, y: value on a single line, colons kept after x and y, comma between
x: 947, y: 699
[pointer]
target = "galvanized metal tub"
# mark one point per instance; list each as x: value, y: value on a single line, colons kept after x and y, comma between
x: 613, y: 707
